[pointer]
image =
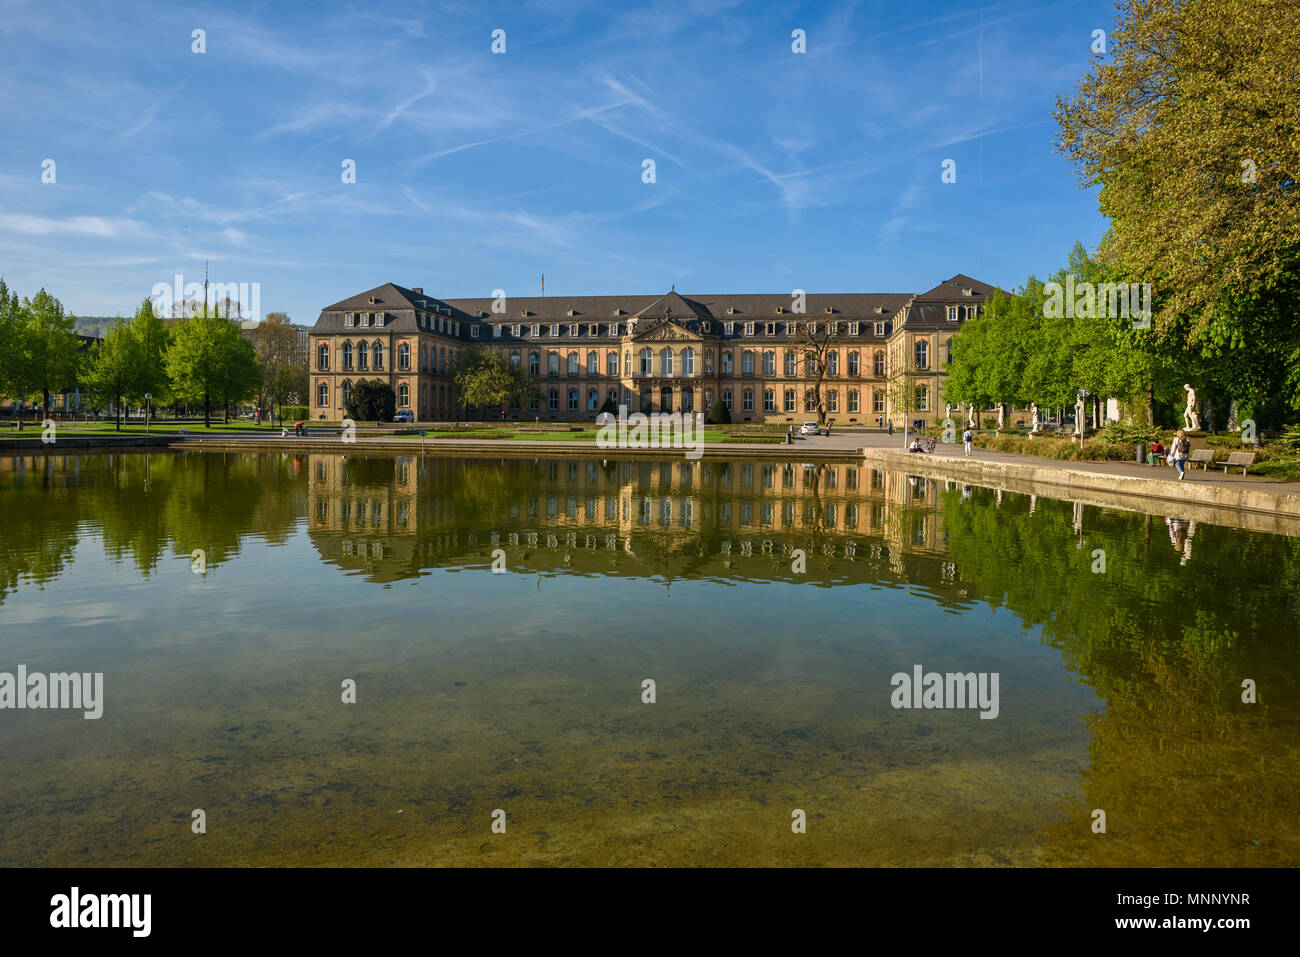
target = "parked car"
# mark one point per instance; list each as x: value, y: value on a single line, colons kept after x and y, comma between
x: 404, y: 415
x: 810, y: 428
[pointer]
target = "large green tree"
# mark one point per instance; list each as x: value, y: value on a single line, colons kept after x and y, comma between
x: 1189, y: 127
x: 208, y: 358
x: 282, y: 360
x: 486, y: 380
x: 50, y: 351
x: 113, y: 369
x: 372, y: 400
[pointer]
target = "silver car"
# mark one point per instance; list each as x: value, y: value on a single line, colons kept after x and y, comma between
x: 810, y: 428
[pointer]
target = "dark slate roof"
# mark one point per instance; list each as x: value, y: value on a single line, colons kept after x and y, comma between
x: 950, y: 290
x: 401, y: 304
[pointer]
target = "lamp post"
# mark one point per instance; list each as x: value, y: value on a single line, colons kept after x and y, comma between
x: 147, y: 399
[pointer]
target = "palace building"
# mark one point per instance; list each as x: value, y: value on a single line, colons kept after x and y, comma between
x: 870, y: 358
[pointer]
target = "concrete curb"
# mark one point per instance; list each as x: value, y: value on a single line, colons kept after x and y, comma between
x: 1238, y: 506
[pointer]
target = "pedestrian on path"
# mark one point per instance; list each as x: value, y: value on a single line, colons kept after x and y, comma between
x: 966, y: 439
x: 1179, y: 451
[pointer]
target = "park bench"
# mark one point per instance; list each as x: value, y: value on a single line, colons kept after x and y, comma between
x: 1242, y: 460
x: 1204, y: 456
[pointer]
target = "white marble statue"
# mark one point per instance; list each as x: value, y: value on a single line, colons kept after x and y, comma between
x: 1080, y: 417
x: 1190, y: 422
x: 1036, y: 424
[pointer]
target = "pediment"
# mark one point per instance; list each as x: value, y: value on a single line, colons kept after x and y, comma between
x: 663, y: 330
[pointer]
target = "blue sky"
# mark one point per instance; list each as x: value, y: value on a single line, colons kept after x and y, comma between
x: 477, y: 171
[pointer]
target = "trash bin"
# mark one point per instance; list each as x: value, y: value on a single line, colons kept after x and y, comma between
x: 1141, y: 453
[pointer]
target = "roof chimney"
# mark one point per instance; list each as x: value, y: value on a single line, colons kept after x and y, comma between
x: 417, y: 290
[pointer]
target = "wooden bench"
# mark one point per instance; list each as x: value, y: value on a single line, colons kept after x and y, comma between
x: 1242, y: 460
x: 1204, y: 456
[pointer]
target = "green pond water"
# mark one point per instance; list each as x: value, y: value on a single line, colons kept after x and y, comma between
x: 770, y: 603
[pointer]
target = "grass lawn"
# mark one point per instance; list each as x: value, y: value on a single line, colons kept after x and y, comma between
x: 136, y: 427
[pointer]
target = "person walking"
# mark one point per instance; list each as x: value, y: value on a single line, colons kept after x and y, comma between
x: 891, y: 426
x: 966, y: 439
x: 1179, y: 450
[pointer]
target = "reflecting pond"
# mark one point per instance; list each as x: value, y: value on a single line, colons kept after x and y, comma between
x: 504, y: 623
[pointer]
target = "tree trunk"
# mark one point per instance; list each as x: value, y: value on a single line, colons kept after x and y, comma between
x: 207, y: 410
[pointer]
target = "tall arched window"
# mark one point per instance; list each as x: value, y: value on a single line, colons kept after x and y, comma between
x: 323, y: 357
x: 347, y: 355
x: 404, y: 356
x: 552, y: 363
x: 611, y: 365
x: 552, y: 399
x: 666, y: 363
x: 627, y: 363
x: 688, y: 362
x: 573, y: 363
x: 747, y: 363
x: 727, y: 363
x: 403, y: 396
x: 534, y: 363
x: 769, y: 362
x: 363, y: 355
x: 922, y: 354
x: 514, y: 359
x: 666, y: 399
x: 688, y: 399
x: 878, y: 363
x: 378, y: 351
x: 323, y: 395
x: 854, y: 363
x: 647, y: 361
x: 347, y: 393
x: 593, y: 363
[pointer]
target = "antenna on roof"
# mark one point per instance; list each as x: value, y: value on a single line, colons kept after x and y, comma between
x: 205, y: 288
x: 543, y: 284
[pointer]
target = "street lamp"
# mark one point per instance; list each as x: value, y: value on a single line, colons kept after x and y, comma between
x: 147, y: 399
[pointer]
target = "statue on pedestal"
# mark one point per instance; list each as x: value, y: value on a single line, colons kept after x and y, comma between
x: 1080, y: 417
x: 1190, y: 422
x: 1036, y: 424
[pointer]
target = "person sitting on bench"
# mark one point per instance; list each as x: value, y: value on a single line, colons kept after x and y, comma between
x: 1157, y: 454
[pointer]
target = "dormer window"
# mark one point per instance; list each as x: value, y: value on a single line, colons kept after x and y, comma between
x: 853, y: 328
x: 473, y: 331
x: 966, y: 291
x: 573, y: 326
x: 780, y: 309
x: 749, y: 328
x: 952, y: 313
x: 537, y: 329
x: 365, y: 318
x: 704, y: 326
x: 350, y: 320
x: 379, y: 318
x: 613, y: 326
x: 880, y: 310
x: 496, y: 331
x: 731, y: 310
x: 555, y: 328
x: 812, y: 328
x: 570, y: 312
x: 880, y: 329
x: 373, y: 300
x: 618, y: 312
x: 514, y: 330
x: 830, y: 311
x: 728, y: 328
x: 770, y: 329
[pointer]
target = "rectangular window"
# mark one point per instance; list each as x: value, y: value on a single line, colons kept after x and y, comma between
x: 789, y: 400
x: 748, y: 400
x: 379, y: 318
x: 952, y: 313
x: 853, y: 328
x: 351, y: 320
x: 514, y: 330
x: 832, y: 401
x: 573, y: 328
x: 613, y: 328
x: 877, y: 401
x: 496, y: 331
x: 749, y: 328
x: 728, y: 328
x: 769, y: 400
x: 537, y: 329
x: 473, y: 331
x: 555, y: 328
x: 365, y: 319
x: 853, y: 400
x: 880, y: 328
